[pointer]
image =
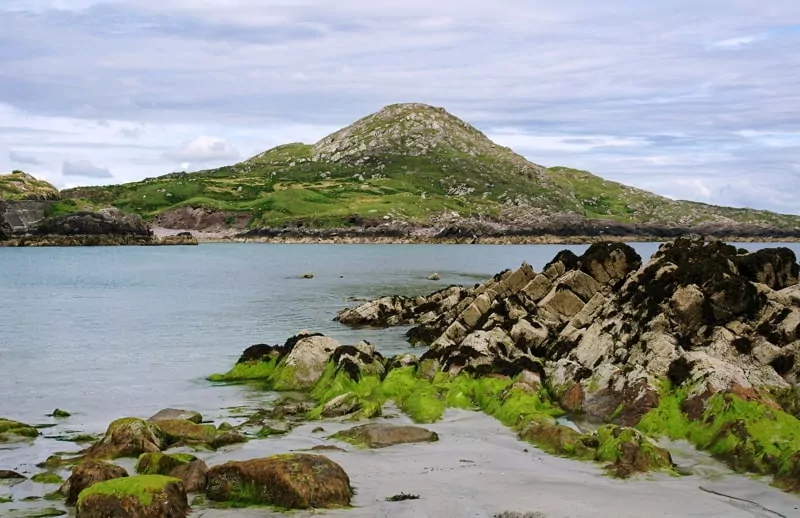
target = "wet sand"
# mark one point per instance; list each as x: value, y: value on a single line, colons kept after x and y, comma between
x: 479, y: 468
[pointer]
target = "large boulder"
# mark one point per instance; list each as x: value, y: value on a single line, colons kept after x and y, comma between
x: 87, y: 474
x: 292, y: 481
x: 144, y: 496
x: 382, y: 435
x: 180, y: 432
x: 127, y: 437
x: 161, y: 463
x: 173, y: 413
x: 306, y: 356
x: 193, y: 476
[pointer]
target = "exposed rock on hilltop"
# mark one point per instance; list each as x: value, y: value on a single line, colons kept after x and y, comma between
x: 416, y: 172
x: 22, y: 186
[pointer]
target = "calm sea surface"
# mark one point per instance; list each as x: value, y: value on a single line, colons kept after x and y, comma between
x: 112, y: 332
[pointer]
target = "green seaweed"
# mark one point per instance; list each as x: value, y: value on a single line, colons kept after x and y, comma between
x: 5, y: 499
x: 749, y: 435
x: 247, y: 371
x: 15, y: 428
x: 47, y: 478
x: 161, y: 463
x: 141, y: 487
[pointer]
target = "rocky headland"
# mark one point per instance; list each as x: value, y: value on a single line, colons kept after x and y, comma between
x: 601, y: 358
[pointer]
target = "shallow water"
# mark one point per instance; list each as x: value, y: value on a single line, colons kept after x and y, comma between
x: 112, y: 332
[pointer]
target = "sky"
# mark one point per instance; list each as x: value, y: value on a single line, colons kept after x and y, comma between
x: 691, y: 99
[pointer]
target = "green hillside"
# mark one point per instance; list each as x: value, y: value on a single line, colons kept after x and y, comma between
x: 21, y: 186
x: 406, y: 163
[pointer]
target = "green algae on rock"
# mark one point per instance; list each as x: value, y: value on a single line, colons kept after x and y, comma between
x: 382, y: 435
x: 87, y: 474
x: 143, y: 496
x: 47, y: 478
x: 180, y: 432
x: 161, y: 463
x: 750, y: 436
x: 290, y: 481
x: 13, y: 431
x: 127, y: 437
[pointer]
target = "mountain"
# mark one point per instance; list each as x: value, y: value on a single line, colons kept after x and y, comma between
x: 408, y: 165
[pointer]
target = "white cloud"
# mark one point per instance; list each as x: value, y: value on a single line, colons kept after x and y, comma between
x: 203, y: 149
x: 736, y: 43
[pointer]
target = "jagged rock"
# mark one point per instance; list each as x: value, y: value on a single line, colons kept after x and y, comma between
x: 87, y: 474
x: 562, y: 303
x: 127, y: 437
x: 609, y: 263
x: 291, y: 481
x: 538, y: 288
x: 193, y: 476
x: 529, y: 334
x: 774, y: 267
x: 380, y: 435
x: 144, y: 496
x: 579, y: 283
x: 173, y: 413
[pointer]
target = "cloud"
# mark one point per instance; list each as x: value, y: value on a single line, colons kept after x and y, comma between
x: 735, y: 43
x: 203, y: 150
x: 23, y: 159
x: 85, y: 169
x: 655, y: 95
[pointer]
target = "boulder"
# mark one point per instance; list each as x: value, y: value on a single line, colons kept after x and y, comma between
x: 359, y: 360
x: 193, y: 475
x: 562, y: 303
x: 609, y: 263
x: 538, y: 288
x: 529, y: 334
x: 161, y: 463
x: 434, y: 277
x: 14, y: 431
x: 773, y: 267
x: 7, y: 474
x: 127, y: 437
x: 306, y: 359
x: 144, y: 496
x: 87, y: 474
x: 174, y: 413
x: 381, y: 435
x: 580, y: 283
x: 179, y: 432
x: 341, y: 405
x: 291, y: 481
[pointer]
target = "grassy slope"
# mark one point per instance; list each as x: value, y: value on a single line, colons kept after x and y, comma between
x: 409, y: 162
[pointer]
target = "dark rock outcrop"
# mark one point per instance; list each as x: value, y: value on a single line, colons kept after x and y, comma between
x: 103, y: 222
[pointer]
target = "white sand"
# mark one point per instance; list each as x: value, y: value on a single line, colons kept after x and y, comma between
x: 501, y: 476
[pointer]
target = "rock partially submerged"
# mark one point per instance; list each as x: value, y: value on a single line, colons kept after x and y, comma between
x: 14, y: 431
x: 87, y: 474
x: 382, y: 435
x: 127, y: 437
x: 292, y: 481
x: 175, y: 413
x: 144, y: 496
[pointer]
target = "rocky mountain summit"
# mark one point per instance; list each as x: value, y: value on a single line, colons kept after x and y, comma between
x: 417, y: 172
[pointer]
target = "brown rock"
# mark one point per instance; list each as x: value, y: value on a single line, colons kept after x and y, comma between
x: 380, y: 435
x: 193, y: 476
x: 572, y: 398
x: 174, y: 413
x: 87, y: 474
x: 293, y: 481
x: 127, y: 437
x: 146, y: 496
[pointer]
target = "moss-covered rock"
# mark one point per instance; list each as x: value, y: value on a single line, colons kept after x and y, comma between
x: 175, y: 413
x: 60, y: 414
x: 186, y: 433
x: 293, y: 481
x: 87, y: 474
x: 128, y: 437
x: 382, y: 435
x: 14, y: 431
x: 144, y: 496
x: 7, y: 474
x: 161, y: 463
x: 628, y: 451
x: 557, y: 439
